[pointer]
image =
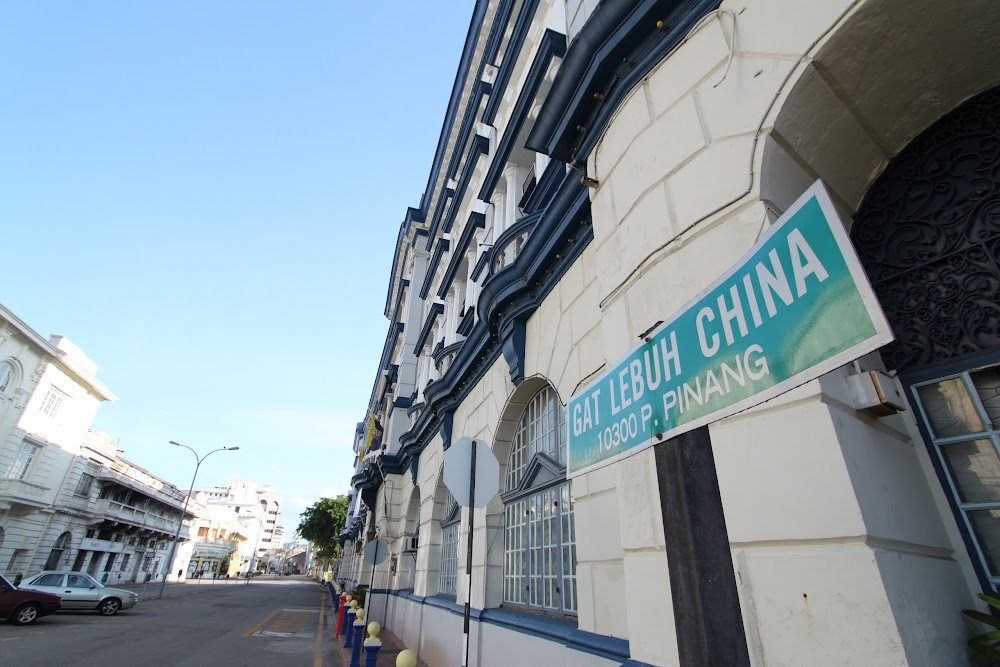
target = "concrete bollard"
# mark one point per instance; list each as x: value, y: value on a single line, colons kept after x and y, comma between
x: 358, y: 631
x: 372, y: 644
x: 348, y: 624
x: 344, y: 599
x: 406, y: 658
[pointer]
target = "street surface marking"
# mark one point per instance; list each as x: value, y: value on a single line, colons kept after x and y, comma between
x: 9, y: 639
x: 261, y: 624
x: 290, y: 623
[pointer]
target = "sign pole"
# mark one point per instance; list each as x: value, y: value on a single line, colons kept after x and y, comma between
x: 468, y: 557
x: 708, y: 620
x: 371, y: 586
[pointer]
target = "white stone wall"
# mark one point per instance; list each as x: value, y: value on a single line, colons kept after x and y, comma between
x: 835, y: 518
x: 844, y: 548
x: 436, y: 636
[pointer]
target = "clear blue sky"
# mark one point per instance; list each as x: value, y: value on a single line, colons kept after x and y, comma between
x: 205, y: 197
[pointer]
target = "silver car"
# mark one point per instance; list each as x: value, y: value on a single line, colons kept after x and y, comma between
x: 79, y: 590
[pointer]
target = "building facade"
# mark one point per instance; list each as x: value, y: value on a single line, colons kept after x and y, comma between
x: 68, y: 499
x: 256, y: 508
x: 217, y: 545
x: 600, y: 166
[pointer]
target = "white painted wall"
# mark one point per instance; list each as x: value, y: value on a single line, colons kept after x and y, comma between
x: 844, y: 549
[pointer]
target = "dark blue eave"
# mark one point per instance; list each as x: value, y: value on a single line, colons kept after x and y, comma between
x: 616, y: 48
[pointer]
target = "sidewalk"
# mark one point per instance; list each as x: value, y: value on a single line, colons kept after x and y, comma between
x: 391, y: 646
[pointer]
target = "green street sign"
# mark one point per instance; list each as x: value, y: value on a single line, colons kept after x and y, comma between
x: 796, y: 306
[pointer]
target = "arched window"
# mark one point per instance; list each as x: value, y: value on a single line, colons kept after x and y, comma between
x: 61, y: 545
x: 6, y: 375
x: 539, y: 535
x: 450, y: 520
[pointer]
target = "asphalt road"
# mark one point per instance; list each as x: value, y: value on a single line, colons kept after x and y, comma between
x: 268, y: 622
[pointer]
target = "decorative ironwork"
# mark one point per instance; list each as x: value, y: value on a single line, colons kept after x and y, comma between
x: 928, y: 235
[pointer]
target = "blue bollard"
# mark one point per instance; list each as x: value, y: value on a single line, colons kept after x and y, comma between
x: 371, y: 652
x: 348, y: 624
x: 358, y: 629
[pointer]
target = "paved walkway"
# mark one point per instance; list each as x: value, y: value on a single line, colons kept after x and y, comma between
x: 391, y: 646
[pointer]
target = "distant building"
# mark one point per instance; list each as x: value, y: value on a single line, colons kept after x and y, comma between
x: 67, y: 497
x: 257, y: 508
x: 217, y: 544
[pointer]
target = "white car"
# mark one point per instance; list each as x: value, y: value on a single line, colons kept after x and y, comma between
x: 79, y: 590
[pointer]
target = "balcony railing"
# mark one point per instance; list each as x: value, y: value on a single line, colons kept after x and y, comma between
x: 508, y: 245
x: 166, y: 495
x: 119, y: 511
x: 19, y: 489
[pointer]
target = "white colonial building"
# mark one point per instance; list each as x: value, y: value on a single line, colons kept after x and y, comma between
x: 600, y: 166
x: 67, y: 497
x: 256, y: 508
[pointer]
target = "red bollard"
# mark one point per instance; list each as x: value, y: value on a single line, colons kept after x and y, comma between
x: 340, y: 614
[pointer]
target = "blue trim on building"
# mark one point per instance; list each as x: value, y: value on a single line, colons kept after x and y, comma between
x: 475, y: 221
x: 552, y: 45
x: 617, y: 47
x: 439, y: 250
x: 481, y: 264
x: 514, y: 45
x: 561, y: 233
x: 493, y: 41
x: 412, y: 217
x: 425, y: 332
x: 479, y: 147
x: 467, y: 322
x: 465, y: 64
x: 561, y: 630
x: 500, y: 243
x: 546, y: 187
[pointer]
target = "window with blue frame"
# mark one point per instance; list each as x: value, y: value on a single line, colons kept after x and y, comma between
x: 961, y: 414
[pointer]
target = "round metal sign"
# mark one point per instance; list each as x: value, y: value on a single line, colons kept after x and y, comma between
x: 376, y: 551
x: 458, y: 472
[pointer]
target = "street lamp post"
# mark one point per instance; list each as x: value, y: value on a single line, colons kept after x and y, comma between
x: 253, y: 556
x: 180, y: 522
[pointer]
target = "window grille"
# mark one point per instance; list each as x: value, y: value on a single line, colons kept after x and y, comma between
x: 962, y: 415
x: 448, y: 573
x: 539, y: 534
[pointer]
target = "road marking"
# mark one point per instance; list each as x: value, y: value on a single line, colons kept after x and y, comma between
x: 318, y: 656
x: 261, y: 624
x: 9, y: 639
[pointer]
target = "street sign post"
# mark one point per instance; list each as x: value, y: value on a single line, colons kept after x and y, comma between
x: 472, y: 474
x: 375, y: 552
x: 460, y: 472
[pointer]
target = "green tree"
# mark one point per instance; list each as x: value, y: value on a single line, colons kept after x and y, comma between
x: 322, y: 522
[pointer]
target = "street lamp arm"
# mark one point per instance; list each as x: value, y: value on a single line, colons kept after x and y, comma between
x: 187, y: 498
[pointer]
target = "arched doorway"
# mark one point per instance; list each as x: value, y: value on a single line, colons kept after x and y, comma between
x: 928, y: 234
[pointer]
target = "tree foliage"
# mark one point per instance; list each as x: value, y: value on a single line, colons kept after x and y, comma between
x: 322, y: 522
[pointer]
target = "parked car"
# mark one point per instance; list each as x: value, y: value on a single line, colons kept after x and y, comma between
x: 24, y: 607
x: 79, y: 590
